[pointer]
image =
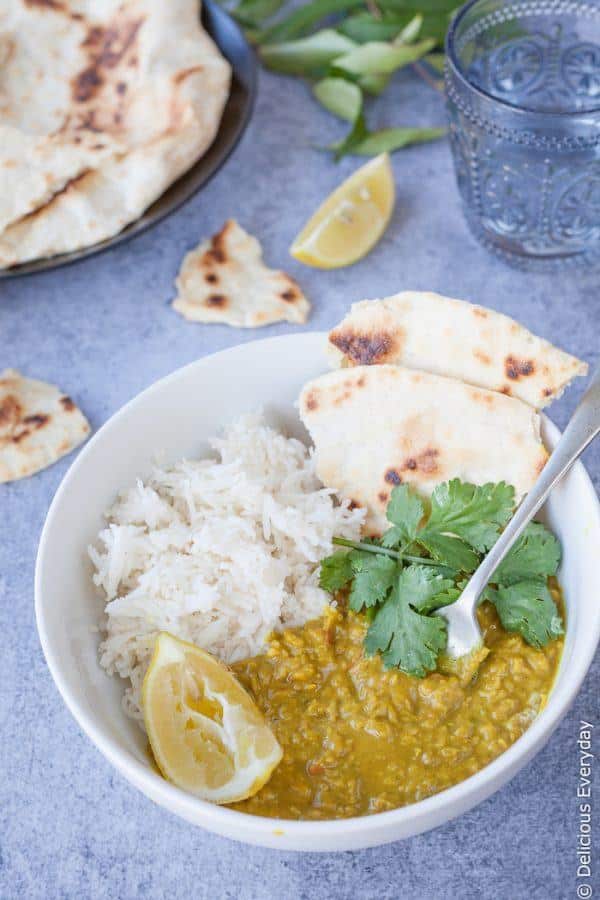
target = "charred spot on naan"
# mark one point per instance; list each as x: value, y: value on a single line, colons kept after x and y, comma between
x: 482, y: 357
x: 392, y: 476
x: 67, y: 404
x: 31, y: 423
x: 217, y: 254
x: 216, y: 301
x: 425, y: 462
x: 291, y: 292
x: 38, y: 420
x: 366, y: 349
x: 106, y: 48
x: 518, y: 368
x: 311, y: 401
x: 46, y: 4
x: 10, y: 414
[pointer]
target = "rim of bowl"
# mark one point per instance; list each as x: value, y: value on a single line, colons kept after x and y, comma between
x: 455, y: 65
x: 471, y: 791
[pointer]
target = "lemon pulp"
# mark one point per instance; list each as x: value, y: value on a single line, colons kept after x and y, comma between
x: 351, y: 220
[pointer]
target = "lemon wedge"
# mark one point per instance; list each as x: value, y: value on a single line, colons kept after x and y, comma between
x: 351, y: 220
x: 207, y: 736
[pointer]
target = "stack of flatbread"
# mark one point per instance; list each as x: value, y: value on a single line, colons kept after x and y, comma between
x: 430, y: 389
x: 38, y: 425
x: 103, y: 104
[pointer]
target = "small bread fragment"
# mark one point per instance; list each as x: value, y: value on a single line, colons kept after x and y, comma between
x: 225, y: 280
x: 38, y: 425
x: 375, y: 427
x: 436, y: 334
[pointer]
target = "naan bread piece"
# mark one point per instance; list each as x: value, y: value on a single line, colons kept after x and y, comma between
x: 225, y: 280
x: 103, y: 104
x: 38, y: 425
x: 452, y: 337
x: 374, y: 427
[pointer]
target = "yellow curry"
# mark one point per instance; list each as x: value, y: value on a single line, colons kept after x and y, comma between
x: 358, y: 739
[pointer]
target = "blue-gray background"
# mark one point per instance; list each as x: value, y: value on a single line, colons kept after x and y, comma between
x: 69, y: 825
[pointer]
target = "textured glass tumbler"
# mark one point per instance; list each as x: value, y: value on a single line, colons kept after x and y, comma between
x: 523, y: 98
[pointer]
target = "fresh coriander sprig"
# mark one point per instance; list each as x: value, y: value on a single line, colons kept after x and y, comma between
x: 401, y: 590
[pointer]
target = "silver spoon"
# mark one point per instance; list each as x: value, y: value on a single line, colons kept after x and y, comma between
x: 464, y: 634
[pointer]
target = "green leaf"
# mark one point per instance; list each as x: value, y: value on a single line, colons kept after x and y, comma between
x: 362, y: 27
x: 473, y: 513
x: 302, y: 19
x: 389, y: 139
x: 380, y: 58
x: 336, y: 571
x: 404, y: 637
x: 421, y: 6
x: 404, y: 510
x: 307, y: 56
x: 411, y: 31
x: 445, y: 598
x: 373, y: 577
x: 448, y: 550
x: 424, y: 587
x: 372, y: 84
x: 535, y: 554
x: 528, y: 608
x: 357, y: 133
x: 342, y: 98
x: 253, y: 12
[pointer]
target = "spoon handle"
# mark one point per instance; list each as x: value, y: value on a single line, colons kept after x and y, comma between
x: 581, y: 430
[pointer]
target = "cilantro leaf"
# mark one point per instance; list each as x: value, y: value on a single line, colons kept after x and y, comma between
x: 473, y: 513
x: 527, y: 607
x: 405, y: 511
x: 535, y: 554
x: 373, y: 577
x: 423, y: 587
x: 336, y: 572
x: 448, y: 550
x: 404, y: 637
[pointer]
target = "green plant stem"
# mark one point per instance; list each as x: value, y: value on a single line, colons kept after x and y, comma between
x: 395, y: 554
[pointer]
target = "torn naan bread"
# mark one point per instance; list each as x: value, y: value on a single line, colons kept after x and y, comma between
x: 103, y: 104
x: 374, y: 427
x: 452, y: 337
x: 38, y: 425
x: 225, y: 280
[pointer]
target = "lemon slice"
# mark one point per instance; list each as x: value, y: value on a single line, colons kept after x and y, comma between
x: 207, y: 736
x: 351, y: 220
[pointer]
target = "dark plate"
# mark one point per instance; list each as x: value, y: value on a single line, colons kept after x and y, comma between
x: 236, y: 116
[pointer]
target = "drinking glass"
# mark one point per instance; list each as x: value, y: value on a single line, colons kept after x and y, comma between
x: 523, y: 98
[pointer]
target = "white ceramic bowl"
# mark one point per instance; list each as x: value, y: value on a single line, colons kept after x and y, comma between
x: 175, y: 416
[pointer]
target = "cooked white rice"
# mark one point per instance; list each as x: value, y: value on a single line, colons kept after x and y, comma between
x: 219, y: 553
